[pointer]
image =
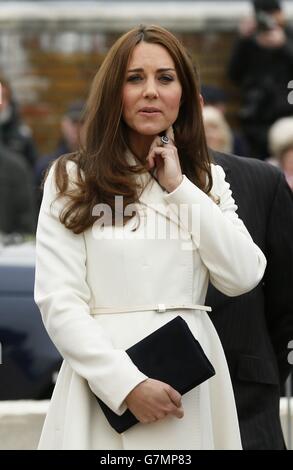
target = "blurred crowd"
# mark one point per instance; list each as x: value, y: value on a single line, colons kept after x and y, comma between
x: 260, y: 67
x: 22, y: 169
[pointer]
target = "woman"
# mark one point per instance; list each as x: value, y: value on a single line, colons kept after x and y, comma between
x: 104, y: 284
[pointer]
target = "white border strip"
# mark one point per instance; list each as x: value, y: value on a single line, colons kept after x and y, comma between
x: 183, y: 15
x: 124, y: 10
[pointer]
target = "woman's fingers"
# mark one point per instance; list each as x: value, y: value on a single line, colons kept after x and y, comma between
x: 150, y: 162
x: 164, y: 161
x: 152, y: 400
x: 156, y: 143
x: 174, y: 396
x: 153, y: 155
x: 178, y: 412
x: 163, y: 152
x: 157, y: 148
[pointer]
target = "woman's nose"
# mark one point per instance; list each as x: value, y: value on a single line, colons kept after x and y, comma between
x: 150, y: 90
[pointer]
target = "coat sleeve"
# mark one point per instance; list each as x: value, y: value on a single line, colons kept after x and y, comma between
x: 235, y: 263
x: 62, y: 295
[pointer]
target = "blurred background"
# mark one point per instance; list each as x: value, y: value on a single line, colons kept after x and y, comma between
x: 50, y: 50
x: 49, y: 54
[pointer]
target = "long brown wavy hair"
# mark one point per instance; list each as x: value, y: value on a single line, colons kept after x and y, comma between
x: 102, y: 168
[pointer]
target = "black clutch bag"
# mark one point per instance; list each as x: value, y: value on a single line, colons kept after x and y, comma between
x: 170, y: 354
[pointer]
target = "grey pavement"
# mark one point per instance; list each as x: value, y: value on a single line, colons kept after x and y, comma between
x: 21, y: 423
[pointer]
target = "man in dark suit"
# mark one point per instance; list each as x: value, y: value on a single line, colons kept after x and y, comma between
x: 255, y: 328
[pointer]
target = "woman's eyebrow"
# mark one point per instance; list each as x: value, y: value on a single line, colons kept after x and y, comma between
x: 163, y: 69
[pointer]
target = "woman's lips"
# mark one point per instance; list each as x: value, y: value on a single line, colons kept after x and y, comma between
x: 150, y: 111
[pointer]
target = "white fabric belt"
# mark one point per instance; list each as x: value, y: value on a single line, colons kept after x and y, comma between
x: 161, y: 308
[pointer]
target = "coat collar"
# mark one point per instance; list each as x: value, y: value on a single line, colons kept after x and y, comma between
x: 152, y: 195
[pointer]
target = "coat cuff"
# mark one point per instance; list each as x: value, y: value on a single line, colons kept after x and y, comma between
x: 114, y: 392
x: 186, y: 193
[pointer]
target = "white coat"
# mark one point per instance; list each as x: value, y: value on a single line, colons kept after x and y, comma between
x: 126, y: 269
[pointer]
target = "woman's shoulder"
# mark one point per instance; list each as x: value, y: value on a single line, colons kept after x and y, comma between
x: 62, y: 176
x: 64, y: 167
x: 66, y: 162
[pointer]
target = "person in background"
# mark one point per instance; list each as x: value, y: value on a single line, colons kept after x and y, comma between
x: 17, y: 209
x: 261, y: 65
x: 71, y: 124
x: 281, y: 146
x: 217, y: 98
x: 255, y: 328
x: 218, y: 133
x: 15, y: 135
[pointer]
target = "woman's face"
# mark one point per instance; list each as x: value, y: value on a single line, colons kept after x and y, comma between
x: 152, y: 91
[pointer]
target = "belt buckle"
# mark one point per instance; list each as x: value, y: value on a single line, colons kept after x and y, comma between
x: 161, y: 308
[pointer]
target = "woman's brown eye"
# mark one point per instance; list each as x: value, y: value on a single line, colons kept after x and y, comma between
x: 134, y: 78
x: 166, y: 78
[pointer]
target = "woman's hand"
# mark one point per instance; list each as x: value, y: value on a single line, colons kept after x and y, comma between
x: 152, y: 400
x: 165, y: 161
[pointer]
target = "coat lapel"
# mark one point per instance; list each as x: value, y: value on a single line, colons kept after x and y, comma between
x: 152, y: 195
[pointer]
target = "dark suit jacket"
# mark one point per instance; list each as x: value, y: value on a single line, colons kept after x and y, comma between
x: 255, y: 328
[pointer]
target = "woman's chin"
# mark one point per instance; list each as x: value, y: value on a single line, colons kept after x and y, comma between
x: 151, y: 131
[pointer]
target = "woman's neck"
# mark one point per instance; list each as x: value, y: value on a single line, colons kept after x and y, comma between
x: 140, y: 146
